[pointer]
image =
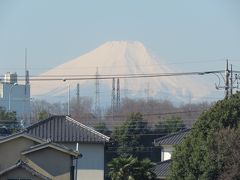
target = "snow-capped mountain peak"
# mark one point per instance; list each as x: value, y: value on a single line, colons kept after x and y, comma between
x: 121, y: 58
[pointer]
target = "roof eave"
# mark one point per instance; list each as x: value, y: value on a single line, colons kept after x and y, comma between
x: 106, y: 138
x: 46, y: 145
x: 21, y: 134
x: 26, y: 167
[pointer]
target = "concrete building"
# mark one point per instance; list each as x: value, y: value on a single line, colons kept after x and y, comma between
x: 14, y: 96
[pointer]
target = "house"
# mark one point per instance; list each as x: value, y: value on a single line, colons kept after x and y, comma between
x: 50, y: 149
x: 166, y: 143
x: 21, y: 171
x: 27, y: 157
x: 73, y: 134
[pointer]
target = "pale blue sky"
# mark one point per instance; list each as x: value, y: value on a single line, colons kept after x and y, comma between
x: 189, y: 34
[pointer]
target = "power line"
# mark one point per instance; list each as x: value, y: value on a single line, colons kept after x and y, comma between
x: 182, y: 61
x: 106, y: 76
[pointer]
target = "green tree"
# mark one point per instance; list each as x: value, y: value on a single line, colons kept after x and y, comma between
x: 102, y: 128
x: 42, y: 115
x: 128, y: 136
x: 130, y: 168
x: 227, y: 145
x: 169, y: 124
x: 145, y: 170
x: 9, y: 116
x: 9, y: 120
x: 193, y: 159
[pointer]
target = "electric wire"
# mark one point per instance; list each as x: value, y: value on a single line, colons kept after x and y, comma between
x: 107, y: 76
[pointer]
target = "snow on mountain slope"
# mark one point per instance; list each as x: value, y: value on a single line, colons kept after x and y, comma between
x: 119, y: 58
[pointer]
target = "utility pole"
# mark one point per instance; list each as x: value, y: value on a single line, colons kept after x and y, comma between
x: 227, y: 81
x: 78, y: 100
x: 118, y: 94
x: 113, y: 97
x: 68, y: 99
x: 68, y: 104
x: 27, y: 90
x: 78, y: 94
x: 97, y: 96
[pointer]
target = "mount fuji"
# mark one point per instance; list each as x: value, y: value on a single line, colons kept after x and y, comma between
x: 119, y: 58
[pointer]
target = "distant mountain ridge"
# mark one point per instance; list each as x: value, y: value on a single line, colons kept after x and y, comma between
x: 121, y: 58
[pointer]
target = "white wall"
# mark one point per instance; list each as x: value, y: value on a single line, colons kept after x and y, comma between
x: 166, y: 153
x: 91, y: 165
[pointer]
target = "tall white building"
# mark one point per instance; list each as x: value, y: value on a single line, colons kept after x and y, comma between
x: 14, y: 96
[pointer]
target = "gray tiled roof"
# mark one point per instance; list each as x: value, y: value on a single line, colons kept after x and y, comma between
x: 26, y: 167
x: 162, y: 168
x: 65, y: 129
x: 172, y: 139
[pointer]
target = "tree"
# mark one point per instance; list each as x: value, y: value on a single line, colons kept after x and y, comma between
x: 80, y: 109
x: 145, y: 170
x: 193, y: 159
x: 8, y: 121
x: 9, y: 116
x: 102, y: 128
x: 42, y: 115
x: 128, y: 136
x: 130, y: 168
x: 169, y: 124
x: 227, y: 145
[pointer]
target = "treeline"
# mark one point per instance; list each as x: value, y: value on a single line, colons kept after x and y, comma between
x: 152, y: 110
